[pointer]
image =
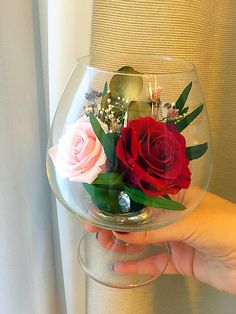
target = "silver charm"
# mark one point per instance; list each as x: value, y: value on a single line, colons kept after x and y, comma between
x: 124, y: 202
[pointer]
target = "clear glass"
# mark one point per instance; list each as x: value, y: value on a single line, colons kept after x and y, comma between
x: 130, y: 146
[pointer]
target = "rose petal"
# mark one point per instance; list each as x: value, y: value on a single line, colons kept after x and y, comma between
x: 79, y: 155
x: 160, y: 166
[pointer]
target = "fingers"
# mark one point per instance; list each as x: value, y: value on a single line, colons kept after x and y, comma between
x: 154, y: 265
x: 165, y: 234
x: 174, y: 232
x: 106, y: 239
x: 180, y: 261
x: 169, y: 233
x: 109, y: 241
x: 91, y: 228
x: 183, y: 257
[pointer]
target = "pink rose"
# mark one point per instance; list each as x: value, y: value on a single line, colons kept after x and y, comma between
x: 79, y: 156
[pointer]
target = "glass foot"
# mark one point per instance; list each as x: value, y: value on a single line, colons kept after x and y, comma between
x: 117, y: 264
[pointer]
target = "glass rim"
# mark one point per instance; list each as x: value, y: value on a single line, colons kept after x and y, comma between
x: 188, y: 66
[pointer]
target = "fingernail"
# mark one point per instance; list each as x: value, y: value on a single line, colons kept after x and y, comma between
x: 113, y: 268
x: 120, y: 232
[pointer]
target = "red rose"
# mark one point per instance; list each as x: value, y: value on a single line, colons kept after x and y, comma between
x: 153, y: 157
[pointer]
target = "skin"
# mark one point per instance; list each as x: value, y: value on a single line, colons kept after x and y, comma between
x: 203, y: 245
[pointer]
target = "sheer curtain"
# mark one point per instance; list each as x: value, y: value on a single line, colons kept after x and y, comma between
x: 27, y: 273
x: 39, y: 44
x: 68, y: 37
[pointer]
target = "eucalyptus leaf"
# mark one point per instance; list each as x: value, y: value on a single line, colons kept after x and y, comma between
x: 126, y: 86
x: 153, y: 201
x: 182, y: 98
x: 182, y: 124
x: 138, y: 109
x: 197, y: 151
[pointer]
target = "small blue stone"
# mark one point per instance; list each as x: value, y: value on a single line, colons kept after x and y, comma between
x: 124, y: 202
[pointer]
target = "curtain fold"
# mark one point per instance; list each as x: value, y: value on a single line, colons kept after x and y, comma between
x: 68, y: 37
x: 27, y: 274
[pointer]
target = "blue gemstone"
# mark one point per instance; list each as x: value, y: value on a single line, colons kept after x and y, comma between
x: 124, y: 202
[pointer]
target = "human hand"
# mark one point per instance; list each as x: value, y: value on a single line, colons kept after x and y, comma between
x: 203, y: 245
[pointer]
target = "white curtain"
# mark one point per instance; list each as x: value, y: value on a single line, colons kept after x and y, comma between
x: 39, y: 45
x: 27, y: 273
x: 66, y: 37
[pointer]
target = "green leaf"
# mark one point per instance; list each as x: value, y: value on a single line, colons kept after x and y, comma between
x: 183, y: 97
x: 185, y: 110
x: 111, y: 140
x: 109, y: 178
x: 106, y: 198
x: 126, y: 86
x: 195, y: 152
x: 138, y: 109
x: 167, y: 196
x: 105, y: 139
x: 181, y: 125
x: 153, y: 201
x: 105, y: 89
x: 104, y: 104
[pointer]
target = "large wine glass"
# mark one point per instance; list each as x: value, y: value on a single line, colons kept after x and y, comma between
x: 129, y: 150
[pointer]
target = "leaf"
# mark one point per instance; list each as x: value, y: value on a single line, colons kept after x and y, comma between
x: 105, y: 89
x: 111, y: 139
x: 185, y: 110
x: 153, y: 201
x: 181, y: 125
x: 195, y: 152
x: 183, y: 97
x: 109, y: 178
x: 105, y: 139
x: 167, y: 196
x: 106, y: 198
x: 104, y: 104
x: 138, y: 109
x: 126, y: 86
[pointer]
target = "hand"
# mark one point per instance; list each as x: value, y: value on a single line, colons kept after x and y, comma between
x: 203, y: 245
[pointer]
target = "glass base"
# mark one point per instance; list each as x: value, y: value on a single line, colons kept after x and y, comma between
x: 126, y: 221
x: 112, y: 262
